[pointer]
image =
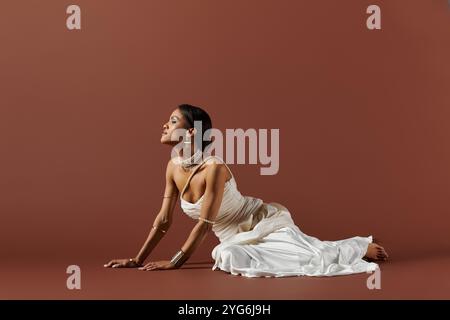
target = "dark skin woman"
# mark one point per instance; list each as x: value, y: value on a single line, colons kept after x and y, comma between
x: 207, y: 183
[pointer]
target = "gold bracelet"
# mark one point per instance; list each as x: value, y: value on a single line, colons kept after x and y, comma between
x: 206, y: 220
x: 156, y: 228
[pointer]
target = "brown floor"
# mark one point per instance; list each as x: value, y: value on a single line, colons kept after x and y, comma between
x: 419, y: 277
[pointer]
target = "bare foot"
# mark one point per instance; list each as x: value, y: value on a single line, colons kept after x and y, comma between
x: 375, y: 252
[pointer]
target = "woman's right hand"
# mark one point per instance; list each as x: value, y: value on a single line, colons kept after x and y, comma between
x: 122, y: 263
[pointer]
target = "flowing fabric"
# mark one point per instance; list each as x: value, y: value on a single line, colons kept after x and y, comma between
x: 260, y: 239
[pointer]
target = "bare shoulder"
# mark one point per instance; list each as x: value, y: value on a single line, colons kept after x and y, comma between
x: 216, y: 170
x: 171, y: 165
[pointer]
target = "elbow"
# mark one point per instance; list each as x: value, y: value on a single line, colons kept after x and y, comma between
x: 163, y: 225
x: 164, y: 221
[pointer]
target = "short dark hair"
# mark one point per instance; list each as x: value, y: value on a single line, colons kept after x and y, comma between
x: 192, y: 114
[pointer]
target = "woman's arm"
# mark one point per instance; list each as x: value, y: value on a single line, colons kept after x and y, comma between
x: 163, y: 220
x: 215, y: 183
x: 160, y: 226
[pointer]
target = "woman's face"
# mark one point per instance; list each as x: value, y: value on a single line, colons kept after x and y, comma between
x: 176, y: 121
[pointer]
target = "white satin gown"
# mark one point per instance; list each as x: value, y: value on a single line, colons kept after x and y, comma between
x: 260, y: 239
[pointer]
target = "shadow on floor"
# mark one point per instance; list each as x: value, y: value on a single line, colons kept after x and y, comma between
x: 198, y: 265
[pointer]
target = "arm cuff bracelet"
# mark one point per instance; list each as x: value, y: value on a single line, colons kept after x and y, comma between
x: 177, y: 257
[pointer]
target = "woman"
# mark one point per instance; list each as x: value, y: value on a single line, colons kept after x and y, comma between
x: 256, y: 238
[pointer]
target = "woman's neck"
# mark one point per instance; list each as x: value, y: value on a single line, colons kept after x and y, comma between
x: 186, y: 152
x: 190, y: 157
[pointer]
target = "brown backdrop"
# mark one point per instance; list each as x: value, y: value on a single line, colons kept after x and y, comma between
x: 363, y: 118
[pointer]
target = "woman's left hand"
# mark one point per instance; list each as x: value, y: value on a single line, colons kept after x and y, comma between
x: 157, y: 265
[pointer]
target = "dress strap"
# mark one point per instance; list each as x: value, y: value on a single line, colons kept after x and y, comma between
x: 191, y: 175
x: 196, y: 168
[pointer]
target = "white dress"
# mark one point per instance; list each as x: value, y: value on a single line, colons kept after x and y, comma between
x: 260, y: 239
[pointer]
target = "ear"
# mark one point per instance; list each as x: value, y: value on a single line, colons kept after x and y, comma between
x: 192, y: 131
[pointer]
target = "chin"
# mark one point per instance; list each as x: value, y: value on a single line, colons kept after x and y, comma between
x: 165, y: 140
